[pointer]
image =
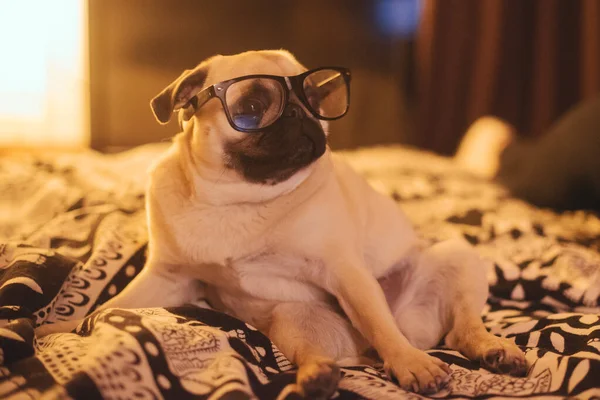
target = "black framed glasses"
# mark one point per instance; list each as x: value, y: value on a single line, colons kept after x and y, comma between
x: 254, y: 102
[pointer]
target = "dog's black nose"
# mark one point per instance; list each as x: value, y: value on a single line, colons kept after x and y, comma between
x: 293, y: 111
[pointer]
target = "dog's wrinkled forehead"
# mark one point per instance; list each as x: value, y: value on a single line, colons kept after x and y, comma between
x: 268, y: 62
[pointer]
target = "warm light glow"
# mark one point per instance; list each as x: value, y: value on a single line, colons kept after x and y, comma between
x: 43, y: 73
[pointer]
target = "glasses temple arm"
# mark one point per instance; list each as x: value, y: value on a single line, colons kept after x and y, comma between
x: 200, y: 98
x: 205, y: 95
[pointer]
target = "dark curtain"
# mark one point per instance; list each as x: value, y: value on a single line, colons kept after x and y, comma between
x: 526, y: 61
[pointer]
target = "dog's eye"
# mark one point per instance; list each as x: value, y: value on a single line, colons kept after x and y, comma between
x: 249, y: 112
x: 314, y: 97
x: 252, y: 106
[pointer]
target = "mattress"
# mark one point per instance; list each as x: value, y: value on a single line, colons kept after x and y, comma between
x: 73, y: 235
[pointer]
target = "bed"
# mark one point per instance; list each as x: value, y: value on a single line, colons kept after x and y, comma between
x: 73, y: 234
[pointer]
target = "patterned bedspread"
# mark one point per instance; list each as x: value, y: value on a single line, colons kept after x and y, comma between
x: 73, y: 234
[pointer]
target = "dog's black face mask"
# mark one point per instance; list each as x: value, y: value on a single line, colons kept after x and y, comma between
x: 271, y: 156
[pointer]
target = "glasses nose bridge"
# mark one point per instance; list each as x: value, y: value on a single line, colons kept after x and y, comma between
x: 292, y: 108
x: 294, y: 86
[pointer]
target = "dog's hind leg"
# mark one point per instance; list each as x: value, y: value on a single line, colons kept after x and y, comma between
x: 57, y: 327
x: 449, y: 288
x: 467, y: 333
x: 314, y: 336
x: 153, y: 287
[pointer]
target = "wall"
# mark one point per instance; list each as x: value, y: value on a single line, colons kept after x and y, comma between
x: 138, y: 47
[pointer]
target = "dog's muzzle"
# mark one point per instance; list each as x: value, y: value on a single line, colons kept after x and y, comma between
x: 308, y: 127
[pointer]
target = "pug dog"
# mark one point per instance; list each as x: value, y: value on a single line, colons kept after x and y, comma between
x: 251, y: 209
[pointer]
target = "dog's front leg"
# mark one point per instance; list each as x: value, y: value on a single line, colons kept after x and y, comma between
x: 155, y: 286
x: 313, y: 336
x: 362, y: 298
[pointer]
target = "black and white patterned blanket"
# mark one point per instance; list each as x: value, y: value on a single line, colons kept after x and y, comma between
x: 73, y: 234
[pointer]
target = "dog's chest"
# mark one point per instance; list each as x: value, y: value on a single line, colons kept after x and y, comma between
x: 267, y: 275
x: 239, y: 249
x: 274, y: 276
x: 216, y: 236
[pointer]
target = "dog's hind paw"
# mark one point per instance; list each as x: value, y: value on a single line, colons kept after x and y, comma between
x: 318, y: 380
x: 505, y: 357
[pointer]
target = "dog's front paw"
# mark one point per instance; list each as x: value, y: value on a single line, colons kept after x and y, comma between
x: 502, y: 355
x: 318, y: 380
x: 419, y: 372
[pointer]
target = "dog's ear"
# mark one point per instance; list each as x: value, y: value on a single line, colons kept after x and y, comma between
x: 179, y: 92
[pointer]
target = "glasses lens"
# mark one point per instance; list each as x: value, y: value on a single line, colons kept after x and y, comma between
x: 254, y: 103
x: 327, y: 93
